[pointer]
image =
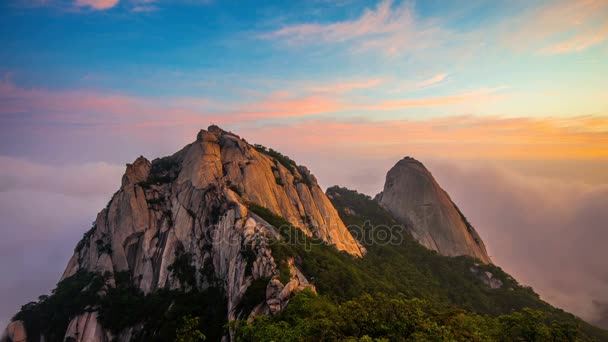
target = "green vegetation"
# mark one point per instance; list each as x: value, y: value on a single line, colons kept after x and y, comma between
x: 163, y: 171
x: 103, y: 246
x: 85, y: 238
x: 284, y: 160
x: 310, y: 317
x: 249, y: 256
x: 255, y: 294
x: 50, y: 315
x: 399, y: 267
x: 182, y: 267
x: 284, y: 274
x: 307, y: 181
x: 188, y: 331
x: 124, y: 305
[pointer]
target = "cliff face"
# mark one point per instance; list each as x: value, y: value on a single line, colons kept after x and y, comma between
x: 195, y: 203
x: 413, y: 197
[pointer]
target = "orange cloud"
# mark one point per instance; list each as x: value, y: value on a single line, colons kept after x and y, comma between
x: 97, y: 4
x: 94, y: 107
x: 463, y: 137
x: 280, y: 107
x: 283, y: 104
x: 469, y: 97
x: 101, y: 108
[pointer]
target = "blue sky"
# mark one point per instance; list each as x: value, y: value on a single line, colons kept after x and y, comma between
x: 216, y: 48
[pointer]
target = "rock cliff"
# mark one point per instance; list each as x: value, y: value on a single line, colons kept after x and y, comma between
x: 195, y: 203
x: 414, y: 198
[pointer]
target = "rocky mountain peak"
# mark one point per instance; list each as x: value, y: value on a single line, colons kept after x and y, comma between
x: 197, y: 220
x: 266, y: 178
x: 414, y: 197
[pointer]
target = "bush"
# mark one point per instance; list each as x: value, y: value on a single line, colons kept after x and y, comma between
x: 254, y: 295
x: 380, y: 317
x: 189, y: 330
x: 284, y: 272
x: 51, y: 315
x: 182, y: 267
x: 287, y: 162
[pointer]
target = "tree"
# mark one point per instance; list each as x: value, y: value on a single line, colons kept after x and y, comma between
x: 188, y: 331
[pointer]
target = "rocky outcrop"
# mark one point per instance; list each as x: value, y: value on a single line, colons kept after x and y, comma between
x: 85, y: 328
x: 486, y: 277
x: 193, y: 206
x: 14, y: 332
x: 414, y: 198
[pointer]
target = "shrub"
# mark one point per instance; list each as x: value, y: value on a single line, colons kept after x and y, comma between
x: 287, y: 162
x: 189, y: 330
x: 254, y: 295
x: 284, y: 272
x: 51, y: 315
x: 182, y: 267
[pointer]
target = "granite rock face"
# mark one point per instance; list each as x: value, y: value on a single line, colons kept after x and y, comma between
x: 414, y: 198
x: 195, y: 203
x: 14, y: 332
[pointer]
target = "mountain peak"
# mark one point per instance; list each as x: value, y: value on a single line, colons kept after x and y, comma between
x: 414, y: 197
x: 212, y: 208
x: 408, y: 159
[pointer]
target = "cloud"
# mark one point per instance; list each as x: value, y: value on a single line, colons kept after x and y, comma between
x: 390, y: 29
x: 103, y: 108
x: 144, y: 6
x: 73, y: 115
x: 477, y: 96
x: 557, y: 27
x: 602, y: 309
x: 93, y: 107
x: 144, y: 9
x: 344, y: 87
x: 433, y: 81
x: 408, y: 86
x: 579, y: 42
x: 547, y: 28
x: 97, y: 4
x: 548, y: 233
x: 45, y: 209
x: 79, y: 180
x: 284, y: 104
x: 465, y: 137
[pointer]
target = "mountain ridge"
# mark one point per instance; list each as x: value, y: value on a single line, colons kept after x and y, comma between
x: 228, y: 231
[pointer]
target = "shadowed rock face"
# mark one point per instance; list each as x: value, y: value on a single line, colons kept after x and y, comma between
x: 195, y: 202
x: 413, y: 197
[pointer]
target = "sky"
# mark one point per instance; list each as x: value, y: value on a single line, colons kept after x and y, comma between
x: 506, y: 102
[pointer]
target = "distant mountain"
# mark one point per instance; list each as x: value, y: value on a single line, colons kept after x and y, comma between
x: 413, y: 197
x: 234, y: 241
